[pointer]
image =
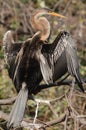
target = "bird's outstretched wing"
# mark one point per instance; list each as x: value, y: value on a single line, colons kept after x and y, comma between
x: 63, y: 49
x: 11, y: 49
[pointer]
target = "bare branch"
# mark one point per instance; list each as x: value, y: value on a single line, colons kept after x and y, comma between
x: 59, y: 120
x: 7, y: 101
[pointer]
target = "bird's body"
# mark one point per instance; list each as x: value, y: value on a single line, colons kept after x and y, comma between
x: 33, y: 60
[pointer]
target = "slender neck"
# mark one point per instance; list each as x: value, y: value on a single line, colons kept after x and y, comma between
x: 40, y: 23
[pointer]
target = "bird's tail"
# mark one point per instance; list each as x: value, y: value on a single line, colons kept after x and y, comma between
x: 18, y: 109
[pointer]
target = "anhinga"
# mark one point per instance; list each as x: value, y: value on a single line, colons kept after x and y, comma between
x: 33, y: 60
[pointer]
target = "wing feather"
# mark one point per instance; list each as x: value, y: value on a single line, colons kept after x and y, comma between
x: 63, y: 44
x: 46, y: 69
x: 67, y: 44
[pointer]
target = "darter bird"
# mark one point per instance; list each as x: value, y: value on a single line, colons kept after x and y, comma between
x: 34, y: 60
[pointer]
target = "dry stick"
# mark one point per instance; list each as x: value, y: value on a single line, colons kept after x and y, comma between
x: 57, y: 4
x: 80, y: 95
x: 59, y: 120
x: 6, y: 4
x: 81, y: 116
x: 66, y: 7
x: 49, y: 105
x: 28, y: 25
x: 48, y: 102
x: 70, y: 97
x: 52, y: 109
x: 7, y: 101
x: 59, y: 98
x: 10, y: 101
x: 5, y: 25
x: 19, y: 31
x: 74, y: 113
x: 29, y: 126
x: 25, y: 18
x: 81, y: 126
x: 65, y: 123
x: 45, y: 102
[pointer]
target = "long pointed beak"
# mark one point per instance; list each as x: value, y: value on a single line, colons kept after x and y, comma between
x: 56, y: 14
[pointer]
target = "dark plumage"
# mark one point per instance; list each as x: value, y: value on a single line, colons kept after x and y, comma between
x: 33, y: 60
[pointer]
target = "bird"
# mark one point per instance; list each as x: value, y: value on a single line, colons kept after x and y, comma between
x: 33, y: 60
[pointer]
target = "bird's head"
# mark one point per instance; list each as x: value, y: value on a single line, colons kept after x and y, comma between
x: 40, y: 23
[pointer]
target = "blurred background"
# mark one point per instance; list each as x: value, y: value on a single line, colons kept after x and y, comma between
x: 15, y: 14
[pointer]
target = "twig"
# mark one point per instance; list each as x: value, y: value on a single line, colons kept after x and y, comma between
x: 42, y: 101
x: 5, y: 25
x: 57, y: 4
x: 65, y: 123
x: 81, y: 116
x: 66, y: 7
x: 59, y: 120
x: 19, y: 30
x: 7, y: 101
x: 80, y: 95
x: 52, y: 109
x: 59, y: 98
x: 81, y: 126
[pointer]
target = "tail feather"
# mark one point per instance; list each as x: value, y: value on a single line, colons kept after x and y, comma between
x: 18, y: 109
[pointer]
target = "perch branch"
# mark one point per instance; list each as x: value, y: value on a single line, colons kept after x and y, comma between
x: 44, y: 86
x: 59, y: 83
